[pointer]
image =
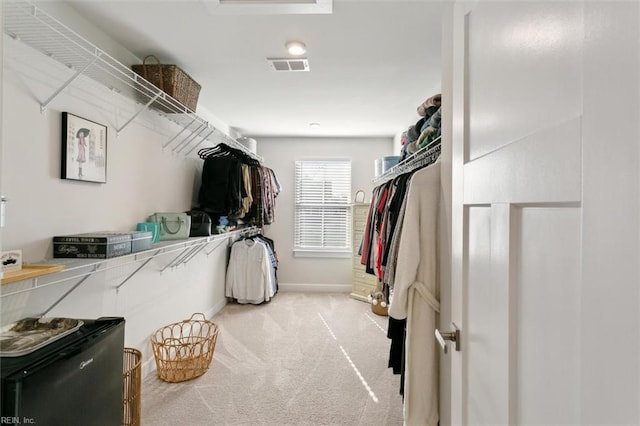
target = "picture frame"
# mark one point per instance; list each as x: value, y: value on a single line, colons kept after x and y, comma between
x: 84, y: 149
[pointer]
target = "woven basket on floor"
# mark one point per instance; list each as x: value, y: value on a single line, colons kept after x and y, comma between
x: 170, y: 79
x: 132, y: 383
x: 183, y: 350
x: 378, y: 309
x: 378, y: 303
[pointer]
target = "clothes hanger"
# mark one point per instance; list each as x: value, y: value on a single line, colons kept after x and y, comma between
x: 222, y: 150
x: 207, y: 152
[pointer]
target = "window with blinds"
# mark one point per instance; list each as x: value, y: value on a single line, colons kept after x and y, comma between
x: 323, y: 206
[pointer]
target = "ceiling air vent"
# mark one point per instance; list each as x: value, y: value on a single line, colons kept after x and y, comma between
x: 268, y: 7
x: 286, y: 64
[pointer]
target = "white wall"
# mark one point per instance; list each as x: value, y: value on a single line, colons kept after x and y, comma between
x: 280, y: 154
x: 142, y: 178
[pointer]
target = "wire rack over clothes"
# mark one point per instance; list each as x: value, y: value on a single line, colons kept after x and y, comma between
x: 421, y: 158
x: 235, y: 188
x: 223, y: 149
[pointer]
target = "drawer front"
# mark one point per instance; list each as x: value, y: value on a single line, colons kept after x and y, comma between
x: 357, y: 266
x: 370, y: 284
x: 362, y: 284
x: 360, y: 276
x: 360, y: 217
x: 357, y: 239
x: 360, y: 210
x: 359, y: 225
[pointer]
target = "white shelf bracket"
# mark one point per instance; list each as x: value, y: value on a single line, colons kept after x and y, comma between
x: 204, y: 138
x: 76, y: 285
x: 180, y: 255
x: 193, y: 254
x: 43, y: 106
x: 185, y: 255
x: 200, y: 143
x: 184, y: 129
x: 225, y: 241
x: 137, y: 113
x: 191, y: 137
x: 200, y: 127
x: 149, y: 259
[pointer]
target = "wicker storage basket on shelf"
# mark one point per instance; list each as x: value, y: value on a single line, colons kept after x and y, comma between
x: 132, y: 384
x: 170, y: 79
x: 183, y: 350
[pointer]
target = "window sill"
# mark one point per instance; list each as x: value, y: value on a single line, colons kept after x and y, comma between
x: 322, y: 253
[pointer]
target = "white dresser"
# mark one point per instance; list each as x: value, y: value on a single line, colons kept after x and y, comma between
x: 362, y: 284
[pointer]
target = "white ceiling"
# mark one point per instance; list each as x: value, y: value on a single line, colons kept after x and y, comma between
x: 372, y: 62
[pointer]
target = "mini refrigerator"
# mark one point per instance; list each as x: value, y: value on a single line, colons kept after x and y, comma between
x: 74, y: 381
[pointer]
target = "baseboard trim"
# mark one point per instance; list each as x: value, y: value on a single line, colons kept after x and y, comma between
x: 315, y: 288
x: 216, y: 308
x: 148, y: 367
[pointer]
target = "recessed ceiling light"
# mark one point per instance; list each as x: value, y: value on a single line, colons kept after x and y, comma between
x: 314, y: 125
x: 296, y: 48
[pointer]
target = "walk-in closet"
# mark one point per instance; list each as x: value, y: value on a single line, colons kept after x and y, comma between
x: 319, y: 212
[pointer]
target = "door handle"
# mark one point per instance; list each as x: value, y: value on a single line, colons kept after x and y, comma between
x: 453, y: 336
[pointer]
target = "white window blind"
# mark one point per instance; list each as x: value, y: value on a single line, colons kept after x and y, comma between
x: 323, y: 210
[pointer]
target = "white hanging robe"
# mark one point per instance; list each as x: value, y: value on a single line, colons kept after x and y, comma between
x: 416, y: 296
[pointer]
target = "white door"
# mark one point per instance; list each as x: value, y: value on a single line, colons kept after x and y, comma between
x: 545, y: 213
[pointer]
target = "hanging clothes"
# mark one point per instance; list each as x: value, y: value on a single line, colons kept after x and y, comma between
x: 383, y: 227
x: 399, y: 246
x: 221, y: 187
x: 396, y: 217
x: 237, y: 187
x: 416, y: 296
x: 273, y: 257
x: 251, y: 276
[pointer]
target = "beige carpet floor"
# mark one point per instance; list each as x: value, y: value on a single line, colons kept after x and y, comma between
x: 301, y: 359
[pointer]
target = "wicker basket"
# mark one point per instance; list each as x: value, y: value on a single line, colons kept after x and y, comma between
x: 171, y: 80
x: 183, y: 350
x: 377, y: 300
x: 378, y: 309
x: 131, y: 385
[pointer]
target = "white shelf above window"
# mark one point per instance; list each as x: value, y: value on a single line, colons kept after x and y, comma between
x: 30, y: 25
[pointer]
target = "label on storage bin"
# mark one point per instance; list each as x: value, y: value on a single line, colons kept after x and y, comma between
x: 11, y: 260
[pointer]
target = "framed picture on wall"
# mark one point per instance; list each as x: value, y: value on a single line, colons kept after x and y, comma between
x: 84, y: 149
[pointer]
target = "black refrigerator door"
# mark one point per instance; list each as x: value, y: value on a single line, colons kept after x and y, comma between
x: 81, y: 387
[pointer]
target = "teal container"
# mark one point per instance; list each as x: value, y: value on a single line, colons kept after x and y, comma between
x: 153, y: 227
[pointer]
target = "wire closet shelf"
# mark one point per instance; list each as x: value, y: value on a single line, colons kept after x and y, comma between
x: 421, y: 158
x: 28, y: 24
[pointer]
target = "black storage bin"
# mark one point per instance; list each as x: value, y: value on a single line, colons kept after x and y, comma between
x: 73, y: 381
x: 95, y: 245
